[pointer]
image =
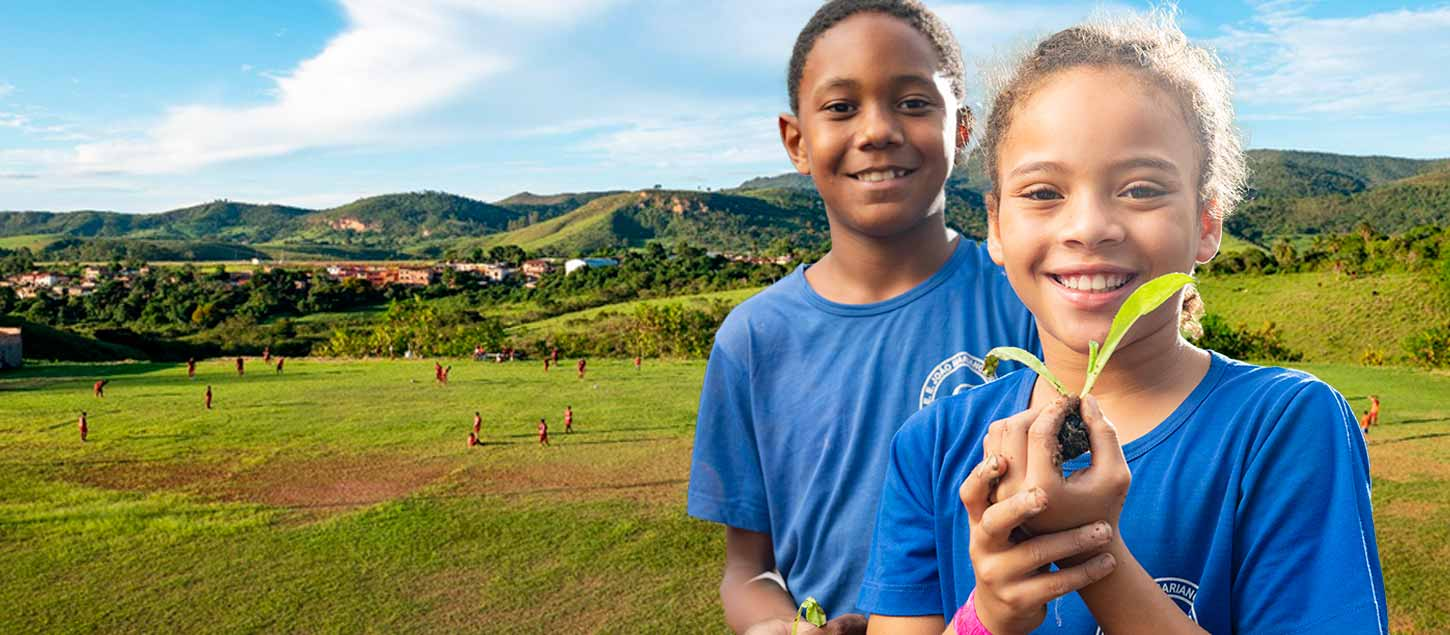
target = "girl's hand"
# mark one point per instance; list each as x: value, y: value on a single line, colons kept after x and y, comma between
x: 1029, y: 439
x: 1013, y: 583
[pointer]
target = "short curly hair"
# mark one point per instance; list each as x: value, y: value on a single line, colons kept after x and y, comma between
x: 1154, y: 47
x: 913, y: 12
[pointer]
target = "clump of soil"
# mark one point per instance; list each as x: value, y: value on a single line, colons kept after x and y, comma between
x: 1072, y: 436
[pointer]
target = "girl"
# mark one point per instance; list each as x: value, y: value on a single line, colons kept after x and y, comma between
x: 1114, y: 160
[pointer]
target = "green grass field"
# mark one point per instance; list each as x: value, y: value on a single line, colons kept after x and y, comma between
x: 340, y: 497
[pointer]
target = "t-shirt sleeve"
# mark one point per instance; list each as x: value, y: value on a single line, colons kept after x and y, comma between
x: 901, y: 574
x: 1304, y: 552
x: 726, y: 482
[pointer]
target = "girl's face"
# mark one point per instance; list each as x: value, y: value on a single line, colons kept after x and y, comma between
x: 1098, y: 193
x: 877, y: 125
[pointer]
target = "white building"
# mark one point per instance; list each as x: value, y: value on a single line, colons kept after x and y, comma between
x: 579, y: 263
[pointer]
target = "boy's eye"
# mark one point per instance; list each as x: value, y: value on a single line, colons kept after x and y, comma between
x: 840, y: 108
x: 915, y: 103
x: 1143, y: 191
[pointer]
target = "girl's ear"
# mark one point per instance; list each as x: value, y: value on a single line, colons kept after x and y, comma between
x: 994, y: 236
x: 794, y: 142
x: 1210, y: 232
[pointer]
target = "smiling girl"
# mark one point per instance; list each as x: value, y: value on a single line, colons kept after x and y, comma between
x: 1222, y: 496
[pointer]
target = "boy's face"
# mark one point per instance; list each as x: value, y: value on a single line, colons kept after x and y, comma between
x: 1098, y: 193
x: 877, y: 125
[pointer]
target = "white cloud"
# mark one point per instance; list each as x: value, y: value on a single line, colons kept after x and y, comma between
x: 393, y: 62
x: 719, y: 140
x: 1385, y: 63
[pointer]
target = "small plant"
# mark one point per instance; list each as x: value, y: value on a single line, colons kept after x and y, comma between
x: 1072, y: 437
x: 813, y: 614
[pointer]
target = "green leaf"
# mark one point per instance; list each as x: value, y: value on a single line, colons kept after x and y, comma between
x: 1142, y: 302
x: 813, y: 613
x: 1023, y: 357
x: 1092, y: 353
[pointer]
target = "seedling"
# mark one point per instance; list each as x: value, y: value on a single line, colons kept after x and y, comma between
x: 1072, y: 437
x: 813, y: 614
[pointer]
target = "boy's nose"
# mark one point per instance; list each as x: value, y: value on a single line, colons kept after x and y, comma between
x: 880, y: 129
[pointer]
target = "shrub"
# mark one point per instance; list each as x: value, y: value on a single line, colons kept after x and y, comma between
x: 1265, y: 343
x: 1431, y: 347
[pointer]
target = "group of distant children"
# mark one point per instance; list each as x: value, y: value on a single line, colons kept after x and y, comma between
x: 99, y: 387
x: 475, y: 438
x: 846, y: 409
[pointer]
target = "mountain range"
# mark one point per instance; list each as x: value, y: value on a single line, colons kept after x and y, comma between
x: 1291, y: 192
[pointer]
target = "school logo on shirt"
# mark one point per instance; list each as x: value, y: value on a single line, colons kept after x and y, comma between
x: 1182, y: 592
x: 956, y: 373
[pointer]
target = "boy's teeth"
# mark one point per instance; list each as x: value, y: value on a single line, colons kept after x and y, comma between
x: 875, y: 176
x: 1095, y: 282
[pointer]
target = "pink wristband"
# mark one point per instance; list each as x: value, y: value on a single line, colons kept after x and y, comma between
x: 966, y: 620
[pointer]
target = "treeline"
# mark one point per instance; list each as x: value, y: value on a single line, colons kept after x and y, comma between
x: 1365, y: 250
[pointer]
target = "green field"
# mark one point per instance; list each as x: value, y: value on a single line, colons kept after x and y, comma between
x: 340, y: 497
x: 1331, y: 317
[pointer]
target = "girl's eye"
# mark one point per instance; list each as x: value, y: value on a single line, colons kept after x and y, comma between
x: 1143, y: 191
x: 1042, y: 194
x: 915, y: 104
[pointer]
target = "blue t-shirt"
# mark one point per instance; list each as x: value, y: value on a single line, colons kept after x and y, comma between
x: 1249, y: 505
x: 802, y: 396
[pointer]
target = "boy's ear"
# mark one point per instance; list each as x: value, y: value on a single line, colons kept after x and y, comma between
x: 1210, y: 232
x: 794, y: 142
x: 994, y: 237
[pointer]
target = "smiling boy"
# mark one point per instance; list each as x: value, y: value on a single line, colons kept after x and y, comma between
x: 808, y: 380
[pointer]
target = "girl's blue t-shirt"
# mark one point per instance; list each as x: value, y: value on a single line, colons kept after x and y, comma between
x: 802, y: 396
x: 1250, y: 506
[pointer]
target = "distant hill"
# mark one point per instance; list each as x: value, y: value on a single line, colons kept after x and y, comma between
x: 715, y: 220
x: 1291, y: 192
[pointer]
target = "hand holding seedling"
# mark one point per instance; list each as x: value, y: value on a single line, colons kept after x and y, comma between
x: 1029, y: 443
x: 1013, y: 585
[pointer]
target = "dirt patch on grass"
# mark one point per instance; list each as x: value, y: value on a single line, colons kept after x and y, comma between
x: 317, y: 485
x: 1411, y: 509
x: 654, y: 472
x: 342, y: 483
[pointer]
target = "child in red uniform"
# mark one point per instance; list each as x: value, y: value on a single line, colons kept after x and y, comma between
x: 477, y: 423
x: 472, y: 439
x: 437, y: 372
x: 240, y: 370
x: 637, y: 360
x: 1372, y: 416
x: 266, y: 354
x: 208, y: 397
x: 191, y: 368
x: 546, y: 364
x: 280, y: 360
x: 581, y: 368
x: 554, y: 354
x: 543, y: 432
x: 100, y: 387
x: 568, y: 419
x: 81, y: 423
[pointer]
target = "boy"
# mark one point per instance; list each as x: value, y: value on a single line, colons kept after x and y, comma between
x: 809, y: 379
x: 208, y: 397
x: 100, y: 388
x: 81, y: 424
x: 568, y: 419
x: 543, y: 432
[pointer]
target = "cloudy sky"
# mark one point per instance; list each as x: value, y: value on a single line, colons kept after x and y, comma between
x: 151, y: 105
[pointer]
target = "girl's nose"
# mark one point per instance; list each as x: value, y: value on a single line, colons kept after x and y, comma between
x: 1088, y: 221
x: 880, y: 129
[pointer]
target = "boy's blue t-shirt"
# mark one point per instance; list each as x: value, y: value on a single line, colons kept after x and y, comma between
x: 1249, y: 505
x: 802, y: 396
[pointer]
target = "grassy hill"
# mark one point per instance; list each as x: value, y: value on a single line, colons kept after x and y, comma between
x: 713, y: 219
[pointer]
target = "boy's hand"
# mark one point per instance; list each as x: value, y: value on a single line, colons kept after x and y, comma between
x: 1029, y: 439
x: 1013, y: 583
x: 848, y: 624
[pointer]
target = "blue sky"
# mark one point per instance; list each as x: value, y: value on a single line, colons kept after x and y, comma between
x: 148, y: 106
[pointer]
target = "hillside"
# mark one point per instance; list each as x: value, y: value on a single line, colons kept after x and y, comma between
x: 717, y: 220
